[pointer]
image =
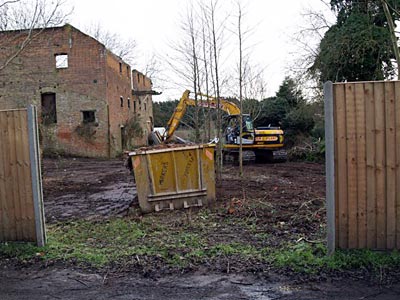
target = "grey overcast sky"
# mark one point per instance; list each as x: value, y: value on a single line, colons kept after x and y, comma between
x: 154, y: 24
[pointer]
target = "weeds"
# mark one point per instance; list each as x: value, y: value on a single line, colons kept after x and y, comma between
x: 118, y: 241
x: 312, y: 258
x: 312, y: 150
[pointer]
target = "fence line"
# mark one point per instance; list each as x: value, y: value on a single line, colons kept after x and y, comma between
x: 21, y: 200
x: 363, y: 174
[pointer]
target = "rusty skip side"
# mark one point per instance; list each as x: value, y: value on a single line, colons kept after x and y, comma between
x: 174, y: 178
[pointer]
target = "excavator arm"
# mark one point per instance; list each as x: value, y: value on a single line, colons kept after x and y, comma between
x: 204, y: 101
x: 176, y: 117
x: 229, y: 107
x: 262, y: 144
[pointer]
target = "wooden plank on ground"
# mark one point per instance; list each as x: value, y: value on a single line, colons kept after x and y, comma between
x: 351, y: 165
x: 390, y: 165
x: 361, y: 166
x: 371, y: 164
x: 380, y: 172
x: 341, y: 168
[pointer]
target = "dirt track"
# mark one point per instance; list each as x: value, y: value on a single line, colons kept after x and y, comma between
x: 70, y: 284
x: 286, y: 200
x: 76, y: 189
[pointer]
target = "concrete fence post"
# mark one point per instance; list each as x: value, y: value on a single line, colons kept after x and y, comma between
x: 37, y: 190
x: 330, y: 165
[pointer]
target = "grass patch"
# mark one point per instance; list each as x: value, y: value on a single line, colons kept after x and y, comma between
x: 90, y: 242
x: 21, y: 251
x: 228, y: 249
x: 177, y: 244
x: 116, y: 241
x: 312, y: 258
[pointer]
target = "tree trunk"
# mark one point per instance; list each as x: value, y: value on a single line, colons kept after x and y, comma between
x: 392, y: 35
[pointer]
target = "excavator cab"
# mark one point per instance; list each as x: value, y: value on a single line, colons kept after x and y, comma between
x: 232, y: 131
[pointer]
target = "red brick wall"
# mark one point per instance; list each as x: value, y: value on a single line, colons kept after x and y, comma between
x: 144, y: 104
x: 92, y: 81
x: 118, y: 76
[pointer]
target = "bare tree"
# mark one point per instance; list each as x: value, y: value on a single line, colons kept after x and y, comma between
x: 212, y: 11
x: 317, y: 22
x: 5, y: 3
x: 204, y: 30
x: 196, y: 59
x: 124, y: 48
x: 196, y: 72
x: 240, y: 38
x: 184, y: 60
x: 152, y: 66
x: 30, y: 18
x: 393, y: 36
x: 251, y: 84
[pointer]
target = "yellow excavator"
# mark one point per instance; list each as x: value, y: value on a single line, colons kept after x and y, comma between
x: 259, y: 144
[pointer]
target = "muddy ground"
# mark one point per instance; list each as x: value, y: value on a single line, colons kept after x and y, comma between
x: 75, y: 189
x: 70, y: 284
x: 286, y: 199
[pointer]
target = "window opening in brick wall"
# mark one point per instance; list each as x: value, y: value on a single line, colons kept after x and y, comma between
x: 145, y: 106
x: 49, y: 108
x: 129, y: 103
x: 121, y: 99
x: 123, y: 138
x: 61, y: 61
x: 138, y: 78
x: 134, y: 106
x: 120, y: 67
x: 89, y: 116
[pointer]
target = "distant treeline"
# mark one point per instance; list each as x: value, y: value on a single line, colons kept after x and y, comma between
x: 288, y: 109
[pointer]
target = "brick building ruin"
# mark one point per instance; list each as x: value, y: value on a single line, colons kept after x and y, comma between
x: 90, y: 102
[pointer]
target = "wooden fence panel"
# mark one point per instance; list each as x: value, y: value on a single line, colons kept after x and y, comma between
x: 397, y: 135
x: 21, y: 200
x: 371, y: 158
x: 363, y: 166
x: 390, y: 165
x: 380, y: 164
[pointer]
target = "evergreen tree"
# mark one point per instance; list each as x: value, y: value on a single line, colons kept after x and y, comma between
x: 358, y: 47
x: 290, y: 93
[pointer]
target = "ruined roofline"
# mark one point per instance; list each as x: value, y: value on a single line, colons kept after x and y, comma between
x: 28, y: 30
x: 65, y: 26
x: 137, y: 71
